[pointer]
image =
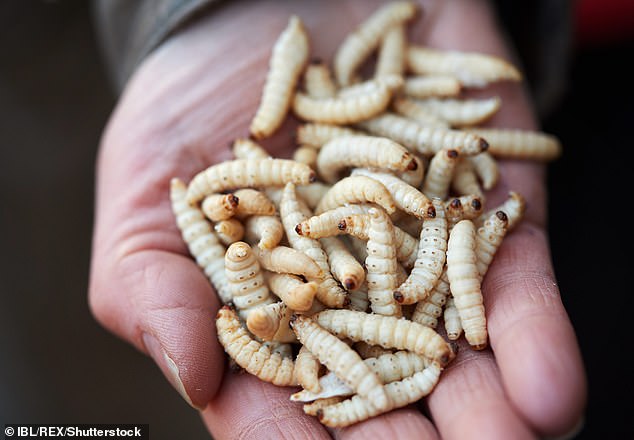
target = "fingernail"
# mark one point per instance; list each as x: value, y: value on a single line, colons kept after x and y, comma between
x: 576, y: 430
x: 167, y: 366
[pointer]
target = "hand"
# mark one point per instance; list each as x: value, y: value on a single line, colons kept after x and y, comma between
x: 186, y: 102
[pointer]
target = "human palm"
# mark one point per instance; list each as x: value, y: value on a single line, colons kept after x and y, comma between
x: 186, y: 102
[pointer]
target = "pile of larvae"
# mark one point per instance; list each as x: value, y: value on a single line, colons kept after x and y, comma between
x: 335, y: 267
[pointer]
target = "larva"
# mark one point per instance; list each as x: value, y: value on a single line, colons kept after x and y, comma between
x: 514, y: 207
x: 439, y: 174
x: 318, y: 81
x: 318, y: 135
x: 486, y: 168
x: 344, y: 267
x: 430, y: 260
x: 394, y: 83
x: 326, y: 224
x: 462, y: 112
x: 519, y: 144
x: 291, y: 289
x: 464, y: 281
x: 307, y: 370
x: 283, y: 349
x: 401, y: 393
x: 294, y: 212
x: 248, y: 289
x: 356, y: 189
x: 244, y: 148
x: 466, y: 207
x: 425, y: 140
x: 290, y: 54
x: 410, y: 110
x: 406, y: 197
x: 201, y: 241
x: 241, y: 173
x: 312, y: 408
x: 282, y: 259
x: 464, y: 180
x: 340, y: 359
x: 428, y: 86
x: 254, y: 357
x: 307, y: 155
x: 391, y: 58
x: 362, y: 152
x: 270, y: 322
x: 453, y: 326
x: 413, y: 177
x: 265, y: 230
x: 217, y: 207
x: 488, y: 240
x: 229, y: 231
x: 429, y: 310
x: 253, y: 202
x: 471, y: 69
x: 358, y: 45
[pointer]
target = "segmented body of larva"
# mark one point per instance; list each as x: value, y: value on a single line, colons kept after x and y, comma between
x: 519, y: 144
x: 201, y: 241
x: 430, y: 260
x: 439, y: 174
x: 290, y: 54
x: 401, y: 393
x: 464, y: 281
x: 428, y: 310
x: 486, y: 169
x: 318, y: 135
x: 465, y: 181
x: 344, y: 267
x: 254, y: 357
x: 265, y: 230
x: 466, y: 207
x: 307, y: 370
x: 312, y: 408
x: 462, y: 112
x: 241, y: 173
x: 283, y: 349
x: 356, y: 189
x: 514, y: 207
x: 431, y: 86
x: 291, y: 289
x: 488, y: 239
x: 326, y: 224
x: 244, y: 148
x: 410, y: 110
x: 406, y: 197
x: 358, y: 45
x: 340, y: 359
x: 423, y: 139
x: 282, y: 259
x: 306, y: 154
x: 453, y: 326
x: 253, y: 202
x: 366, y: 350
x: 362, y: 152
x: 293, y: 212
x: 270, y: 322
x: 393, y: 82
x: 318, y: 81
x: 246, y: 282
x: 471, y: 69
x: 217, y: 207
x: 229, y: 231
x: 391, y: 58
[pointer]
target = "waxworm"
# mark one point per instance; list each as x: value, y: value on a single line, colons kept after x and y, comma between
x: 425, y: 140
x: 312, y: 408
x: 264, y: 230
x: 201, y: 241
x: 430, y: 259
x: 394, y: 83
x: 391, y: 57
x: 486, y: 168
x: 270, y: 322
x: 514, y: 207
x: 465, y: 181
x: 307, y: 155
x: 253, y: 202
x: 287, y: 61
x: 339, y: 358
x: 344, y: 267
x: 254, y: 357
x: 244, y: 148
x: 400, y: 393
x: 282, y: 259
x: 453, y: 326
x: 471, y: 69
x: 466, y: 207
x: 358, y: 45
x: 229, y: 231
x: 307, y: 370
x: 291, y: 289
x: 282, y: 348
x: 246, y: 282
x: 356, y: 189
x: 462, y: 112
x: 464, y: 280
x: 439, y: 174
x: 362, y: 152
x: 411, y: 110
x: 428, y: 310
x: 293, y: 211
x: 318, y: 135
x: 219, y: 207
x: 488, y: 239
x: 241, y: 173
x: 413, y: 177
x: 519, y: 144
x: 318, y: 81
x: 326, y: 224
x: 406, y: 197
x: 428, y: 86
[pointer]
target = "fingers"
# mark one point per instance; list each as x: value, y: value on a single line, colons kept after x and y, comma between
x: 402, y: 423
x: 245, y: 407
x: 531, y: 335
x: 163, y: 304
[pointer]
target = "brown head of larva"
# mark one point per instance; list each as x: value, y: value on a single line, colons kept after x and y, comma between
x: 292, y: 320
x: 476, y: 204
x: 233, y: 200
x: 342, y: 225
x: 350, y: 284
x: 299, y: 229
x: 431, y: 212
x: 452, y: 154
x: 312, y: 177
x: 398, y: 296
x: 502, y: 216
x: 484, y: 145
x: 455, y: 204
x: 412, y: 165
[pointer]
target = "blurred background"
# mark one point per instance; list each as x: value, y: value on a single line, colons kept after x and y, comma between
x: 59, y: 365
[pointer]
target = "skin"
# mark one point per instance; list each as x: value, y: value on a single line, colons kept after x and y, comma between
x: 197, y: 92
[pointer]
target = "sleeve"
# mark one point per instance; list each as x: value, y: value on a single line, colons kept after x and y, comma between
x: 128, y: 30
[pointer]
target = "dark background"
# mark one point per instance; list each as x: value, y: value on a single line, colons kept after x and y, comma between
x: 58, y: 365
